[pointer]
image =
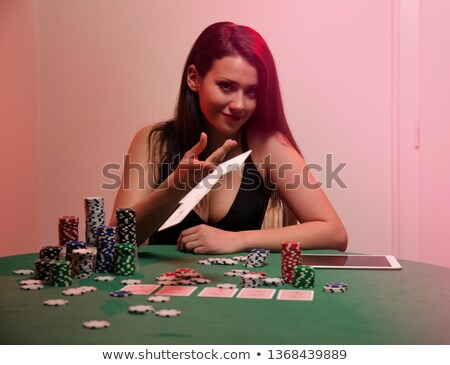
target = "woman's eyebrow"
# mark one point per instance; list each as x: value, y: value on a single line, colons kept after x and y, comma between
x: 234, y: 82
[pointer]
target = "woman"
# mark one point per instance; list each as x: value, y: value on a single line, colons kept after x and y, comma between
x: 229, y: 102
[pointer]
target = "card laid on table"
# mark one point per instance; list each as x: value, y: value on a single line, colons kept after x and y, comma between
x: 141, y: 289
x: 295, y: 295
x: 177, y: 291
x: 256, y: 293
x: 218, y: 293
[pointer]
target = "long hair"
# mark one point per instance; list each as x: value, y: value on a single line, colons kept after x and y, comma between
x: 214, y: 43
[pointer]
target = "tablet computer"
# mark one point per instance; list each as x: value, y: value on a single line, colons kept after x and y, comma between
x: 378, y: 262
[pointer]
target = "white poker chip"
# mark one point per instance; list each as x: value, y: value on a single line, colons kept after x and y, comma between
x: 230, y: 262
x: 241, y: 272
x: 23, y: 272
x: 141, y: 309
x: 96, y: 324
x: 55, y: 302
x: 166, y: 278
x: 131, y: 281
x: 186, y: 282
x: 32, y: 287
x: 158, y: 299
x: 104, y: 278
x: 200, y: 280
x: 226, y: 286
x: 240, y: 258
x: 167, y: 283
x: 30, y: 282
x: 73, y: 291
x: 190, y: 275
x: 204, y: 262
x: 232, y: 274
x: 273, y: 281
x: 87, y: 289
x: 168, y: 313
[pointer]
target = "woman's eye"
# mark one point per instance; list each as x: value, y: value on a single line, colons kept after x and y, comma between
x: 252, y: 93
x: 225, y: 86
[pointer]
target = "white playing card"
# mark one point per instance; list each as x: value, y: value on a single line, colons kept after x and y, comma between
x: 141, y: 289
x: 203, y: 187
x: 295, y: 295
x: 218, y: 293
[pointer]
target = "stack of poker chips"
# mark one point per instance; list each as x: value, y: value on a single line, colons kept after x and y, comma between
x: 291, y: 257
x: 335, y: 287
x: 106, y: 239
x: 42, y: 269
x: 251, y: 280
x: 126, y: 225
x: 60, y: 273
x: 67, y: 229
x: 50, y: 252
x: 304, y: 277
x: 256, y: 257
x: 124, y: 260
x: 73, y: 245
x: 82, y: 263
x: 95, y: 217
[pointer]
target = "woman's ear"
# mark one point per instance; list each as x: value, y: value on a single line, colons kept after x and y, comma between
x: 192, y: 78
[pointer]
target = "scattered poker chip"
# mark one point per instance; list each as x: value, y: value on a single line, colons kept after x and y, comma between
x: 32, y: 287
x: 104, y: 278
x: 166, y: 278
x: 167, y: 283
x: 186, y: 282
x: 30, y: 282
x: 141, y: 309
x: 121, y: 293
x: 190, y: 275
x: 240, y: 258
x: 96, y: 324
x: 158, y: 299
x: 204, y: 262
x: 87, y: 289
x: 168, y: 313
x: 232, y: 274
x: 330, y: 289
x: 337, y: 284
x: 23, y: 272
x: 55, y: 302
x: 73, y: 291
x: 201, y: 280
x: 273, y: 281
x: 184, y: 270
x: 241, y: 272
x: 226, y: 286
x: 131, y: 281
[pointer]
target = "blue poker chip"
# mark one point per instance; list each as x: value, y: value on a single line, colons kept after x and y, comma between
x: 335, y: 284
x: 121, y: 293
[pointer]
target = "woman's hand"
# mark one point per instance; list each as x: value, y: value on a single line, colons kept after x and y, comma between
x: 204, y: 239
x: 190, y: 171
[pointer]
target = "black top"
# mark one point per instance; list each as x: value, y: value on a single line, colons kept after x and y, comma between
x: 246, y: 212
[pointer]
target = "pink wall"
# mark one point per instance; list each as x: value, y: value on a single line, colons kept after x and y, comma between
x: 20, y: 219
x: 347, y: 71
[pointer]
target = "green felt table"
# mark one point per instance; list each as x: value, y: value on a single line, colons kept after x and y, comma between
x: 410, y: 306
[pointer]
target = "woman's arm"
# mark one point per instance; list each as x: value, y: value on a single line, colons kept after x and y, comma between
x: 153, y: 204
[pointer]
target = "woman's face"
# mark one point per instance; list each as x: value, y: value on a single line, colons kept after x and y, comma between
x: 228, y: 93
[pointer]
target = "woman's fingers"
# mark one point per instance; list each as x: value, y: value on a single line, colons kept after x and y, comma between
x: 218, y: 155
x: 198, y: 148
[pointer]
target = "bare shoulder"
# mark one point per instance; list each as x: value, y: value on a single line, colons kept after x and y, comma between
x: 139, y: 148
x: 273, y: 144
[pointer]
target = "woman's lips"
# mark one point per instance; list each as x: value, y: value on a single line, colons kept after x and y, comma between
x: 232, y: 117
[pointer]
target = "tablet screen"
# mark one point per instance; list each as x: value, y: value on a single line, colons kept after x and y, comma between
x: 354, y: 261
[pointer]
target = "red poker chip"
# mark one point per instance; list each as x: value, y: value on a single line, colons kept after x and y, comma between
x: 183, y: 270
x: 171, y: 274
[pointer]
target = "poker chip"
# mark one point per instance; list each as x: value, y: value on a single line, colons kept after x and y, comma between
x: 190, y: 275
x: 42, y: 269
x: 23, y: 272
x: 73, y: 245
x: 95, y: 218
x: 232, y: 274
x: 59, y: 273
x: 256, y: 258
x: 167, y: 283
x: 168, y: 313
x: 200, y: 280
x: 204, y: 262
x: 335, y: 287
x: 73, y: 291
x: 55, y: 302
x: 186, y: 282
x: 82, y: 263
x: 273, y: 281
x: 126, y: 226
x: 124, y: 259
x: 241, y: 272
x: 240, y: 258
x: 50, y: 252
x: 166, y: 278
x: 30, y: 282
x: 87, y: 289
x: 121, y: 293
x: 158, y: 299
x: 251, y: 280
x: 304, y: 276
x: 67, y: 229
x: 131, y: 281
x: 96, y: 324
x: 106, y: 240
x: 32, y: 287
x: 141, y: 309
x: 226, y: 286
x: 104, y: 278
x: 184, y: 270
x: 291, y: 257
